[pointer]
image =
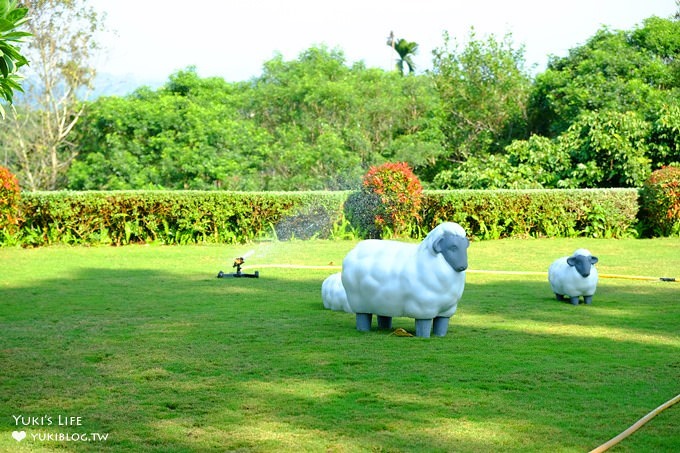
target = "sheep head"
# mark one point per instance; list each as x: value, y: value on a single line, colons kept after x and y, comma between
x: 454, y: 250
x: 582, y: 263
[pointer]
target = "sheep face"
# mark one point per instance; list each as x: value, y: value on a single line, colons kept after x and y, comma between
x: 454, y: 250
x: 582, y: 263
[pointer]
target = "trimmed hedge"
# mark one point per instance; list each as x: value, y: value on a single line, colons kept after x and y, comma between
x: 187, y: 217
x: 166, y: 217
x: 494, y: 214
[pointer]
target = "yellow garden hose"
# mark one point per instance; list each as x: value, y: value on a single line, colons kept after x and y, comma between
x: 298, y: 266
x: 615, y: 440
x: 627, y: 277
x: 478, y: 271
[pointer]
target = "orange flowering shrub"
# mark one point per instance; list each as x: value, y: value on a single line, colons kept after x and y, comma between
x: 9, y: 200
x: 389, y: 202
x: 660, y: 203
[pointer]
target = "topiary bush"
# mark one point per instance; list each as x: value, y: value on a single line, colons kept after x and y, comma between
x: 660, y: 203
x: 9, y: 202
x: 388, y: 203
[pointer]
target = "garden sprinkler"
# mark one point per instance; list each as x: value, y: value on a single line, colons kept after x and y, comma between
x: 238, y: 262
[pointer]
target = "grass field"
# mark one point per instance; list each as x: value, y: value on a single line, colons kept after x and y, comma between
x: 144, y: 346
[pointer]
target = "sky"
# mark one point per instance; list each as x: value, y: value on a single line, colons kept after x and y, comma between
x: 151, y: 39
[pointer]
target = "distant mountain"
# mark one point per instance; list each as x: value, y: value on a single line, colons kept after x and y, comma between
x: 104, y: 85
x: 121, y: 85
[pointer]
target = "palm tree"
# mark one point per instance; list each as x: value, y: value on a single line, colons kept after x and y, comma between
x: 406, y: 50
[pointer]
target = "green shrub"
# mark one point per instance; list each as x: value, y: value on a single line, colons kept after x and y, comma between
x: 187, y: 217
x: 165, y: 217
x: 9, y: 202
x: 660, y: 203
x: 498, y: 214
x: 389, y: 201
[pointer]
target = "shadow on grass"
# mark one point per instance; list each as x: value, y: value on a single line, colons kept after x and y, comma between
x: 170, y: 362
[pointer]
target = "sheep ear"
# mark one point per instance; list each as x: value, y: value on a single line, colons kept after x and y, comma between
x: 436, y: 246
x: 593, y: 260
x: 571, y: 261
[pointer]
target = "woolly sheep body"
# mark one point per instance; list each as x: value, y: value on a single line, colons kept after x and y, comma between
x: 565, y: 279
x: 394, y: 279
x: 333, y: 294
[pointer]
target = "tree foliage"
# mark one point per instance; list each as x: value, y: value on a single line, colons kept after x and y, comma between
x: 61, y: 51
x: 12, y: 17
x: 406, y: 51
x: 607, y: 114
x: 311, y: 123
x: 623, y: 71
x: 609, y: 149
x: 484, y: 90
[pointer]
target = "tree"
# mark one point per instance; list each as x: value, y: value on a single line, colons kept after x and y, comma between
x: 664, y: 140
x: 187, y: 135
x: 62, y: 74
x: 309, y: 123
x: 331, y: 122
x: 483, y: 90
x: 622, y: 71
x: 612, y: 104
x: 604, y: 116
x: 406, y: 50
x: 11, y: 18
x: 526, y: 164
x: 608, y: 149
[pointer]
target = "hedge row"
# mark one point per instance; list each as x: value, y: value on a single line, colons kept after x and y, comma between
x: 186, y: 217
x: 606, y: 213
x: 166, y: 217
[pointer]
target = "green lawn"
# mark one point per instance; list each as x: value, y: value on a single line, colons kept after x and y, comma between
x: 145, y: 345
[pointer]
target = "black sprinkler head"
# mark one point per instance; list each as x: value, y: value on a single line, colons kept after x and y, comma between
x: 238, y: 262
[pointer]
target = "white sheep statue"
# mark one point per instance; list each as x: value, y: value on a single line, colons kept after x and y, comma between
x: 390, y: 278
x: 574, y: 276
x: 333, y: 294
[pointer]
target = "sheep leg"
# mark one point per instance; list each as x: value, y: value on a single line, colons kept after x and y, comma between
x: 364, y: 321
x: 423, y: 328
x: 384, y: 322
x: 440, y: 325
x: 559, y: 297
x: 574, y: 300
x: 588, y: 299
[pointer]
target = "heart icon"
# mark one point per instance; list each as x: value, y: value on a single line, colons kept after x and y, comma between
x: 19, y: 435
